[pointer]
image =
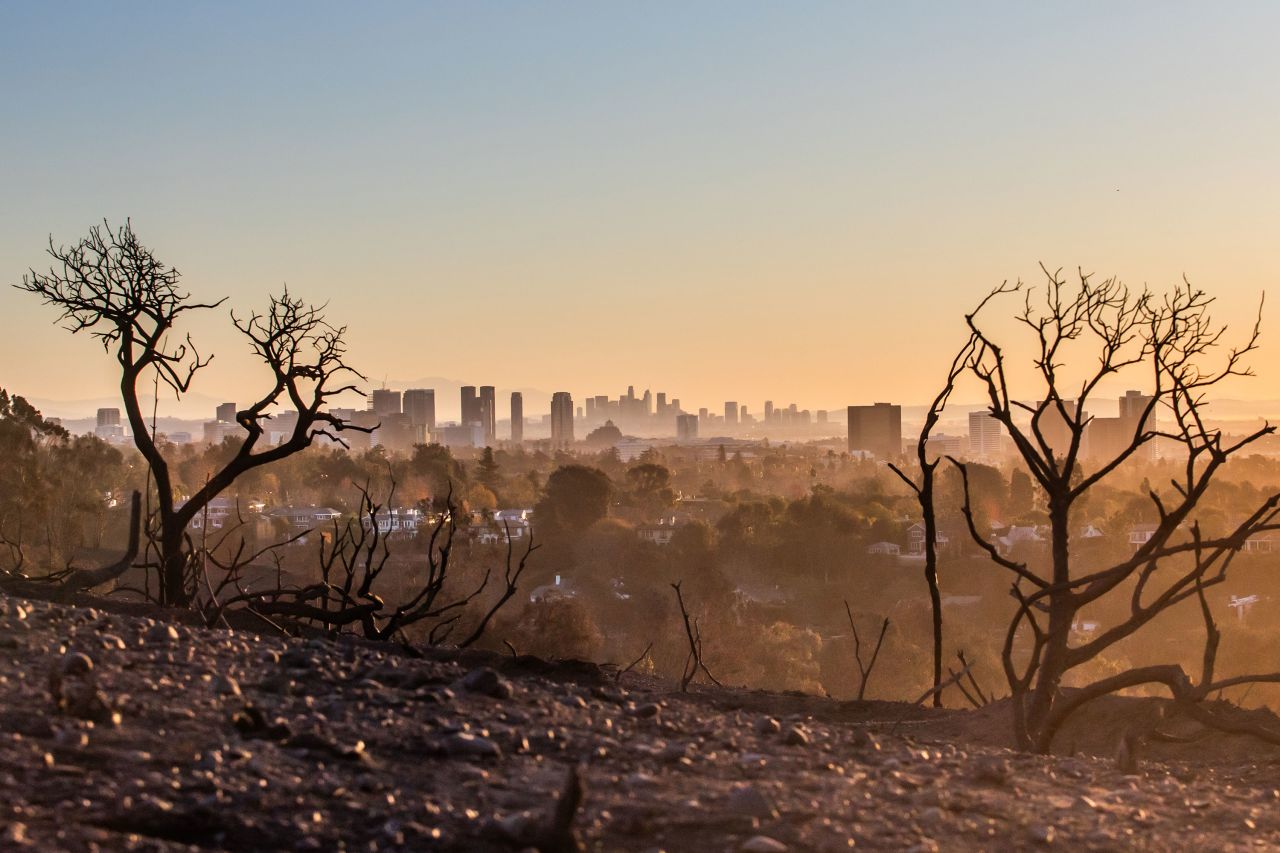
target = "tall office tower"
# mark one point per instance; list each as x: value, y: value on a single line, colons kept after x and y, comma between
x: 730, y: 414
x: 591, y: 409
x: 470, y: 405
x: 631, y: 392
x: 876, y: 429
x: 822, y: 416
x: 768, y: 410
x: 703, y: 415
x: 675, y: 406
x: 489, y: 414
x: 984, y: 435
x: 384, y: 402
x: 686, y: 427
x: 1132, y: 406
x: 420, y: 407
x: 517, y: 417
x: 108, y: 417
x: 662, y: 403
x: 561, y: 420
x: 226, y: 412
x: 648, y: 402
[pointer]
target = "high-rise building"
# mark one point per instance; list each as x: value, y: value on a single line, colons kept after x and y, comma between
x: 517, y: 417
x: 768, y: 410
x: 109, y: 428
x: 420, y: 407
x: 686, y: 427
x: 384, y: 401
x: 730, y: 414
x: 561, y: 420
x: 648, y: 402
x: 470, y: 405
x: 985, y: 435
x: 876, y: 429
x: 1109, y: 437
x: 489, y: 414
x: 662, y: 403
x: 226, y: 412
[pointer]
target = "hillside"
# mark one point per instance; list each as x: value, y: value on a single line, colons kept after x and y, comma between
x: 215, y: 739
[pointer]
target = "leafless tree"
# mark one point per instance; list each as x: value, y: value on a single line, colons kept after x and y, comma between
x: 924, y: 492
x: 864, y: 670
x: 350, y: 594
x: 114, y: 288
x: 1174, y: 342
x: 693, y: 633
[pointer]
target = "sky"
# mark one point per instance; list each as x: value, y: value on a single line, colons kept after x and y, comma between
x: 722, y: 200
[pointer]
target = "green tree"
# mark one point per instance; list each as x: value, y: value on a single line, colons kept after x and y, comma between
x: 576, y: 497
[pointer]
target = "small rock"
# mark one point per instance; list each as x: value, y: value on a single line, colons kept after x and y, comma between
x: 768, y: 726
x: 762, y: 844
x: 1042, y: 834
x: 796, y: 736
x: 161, y: 632
x: 486, y: 682
x: 647, y: 710
x: 225, y: 685
x: 467, y: 745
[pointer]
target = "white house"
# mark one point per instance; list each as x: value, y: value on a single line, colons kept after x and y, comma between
x: 890, y: 549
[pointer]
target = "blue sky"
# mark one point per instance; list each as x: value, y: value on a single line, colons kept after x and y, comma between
x: 725, y: 200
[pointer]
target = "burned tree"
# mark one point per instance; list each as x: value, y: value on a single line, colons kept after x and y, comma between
x: 1172, y: 340
x: 114, y: 288
x: 924, y: 492
x: 353, y: 590
x: 865, y: 670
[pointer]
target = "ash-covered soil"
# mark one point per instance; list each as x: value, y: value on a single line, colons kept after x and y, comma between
x: 121, y: 732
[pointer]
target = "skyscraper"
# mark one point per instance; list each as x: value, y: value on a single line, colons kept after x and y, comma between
x: 470, y: 405
x: 517, y: 417
x: 730, y: 414
x: 984, y: 435
x: 686, y: 428
x: 876, y: 429
x: 382, y: 401
x: 489, y: 414
x: 226, y: 412
x: 108, y: 417
x: 420, y: 406
x: 561, y: 420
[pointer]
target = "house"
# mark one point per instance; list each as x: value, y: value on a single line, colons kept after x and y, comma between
x: 1140, y: 534
x: 307, y: 517
x: 398, y: 521
x: 662, y: 532
x: 561, y: 588
x: 890, y: 549
x: 1242, y: 605
x: 1016, y: 535
x: 915, y: 539
x: 224, y: 510
x: 499, y: 533
x: 1261, y: 543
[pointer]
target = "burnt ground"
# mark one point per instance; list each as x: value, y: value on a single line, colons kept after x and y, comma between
x: 173, y: 737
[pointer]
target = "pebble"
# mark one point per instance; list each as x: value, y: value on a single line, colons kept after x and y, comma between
x: 762, y: 844
x: 768, y: 726
x: 486, y: 682
x: 796, y: 736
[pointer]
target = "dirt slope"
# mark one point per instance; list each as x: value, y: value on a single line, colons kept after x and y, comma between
x: 228, y: 740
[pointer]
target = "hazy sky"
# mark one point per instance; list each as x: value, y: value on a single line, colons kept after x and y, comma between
x: 723, y: 200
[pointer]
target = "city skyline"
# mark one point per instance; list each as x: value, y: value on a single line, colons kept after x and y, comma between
x: 726, y: 201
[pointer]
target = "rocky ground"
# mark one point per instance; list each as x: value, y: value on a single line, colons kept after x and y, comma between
x: 121, y: 732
